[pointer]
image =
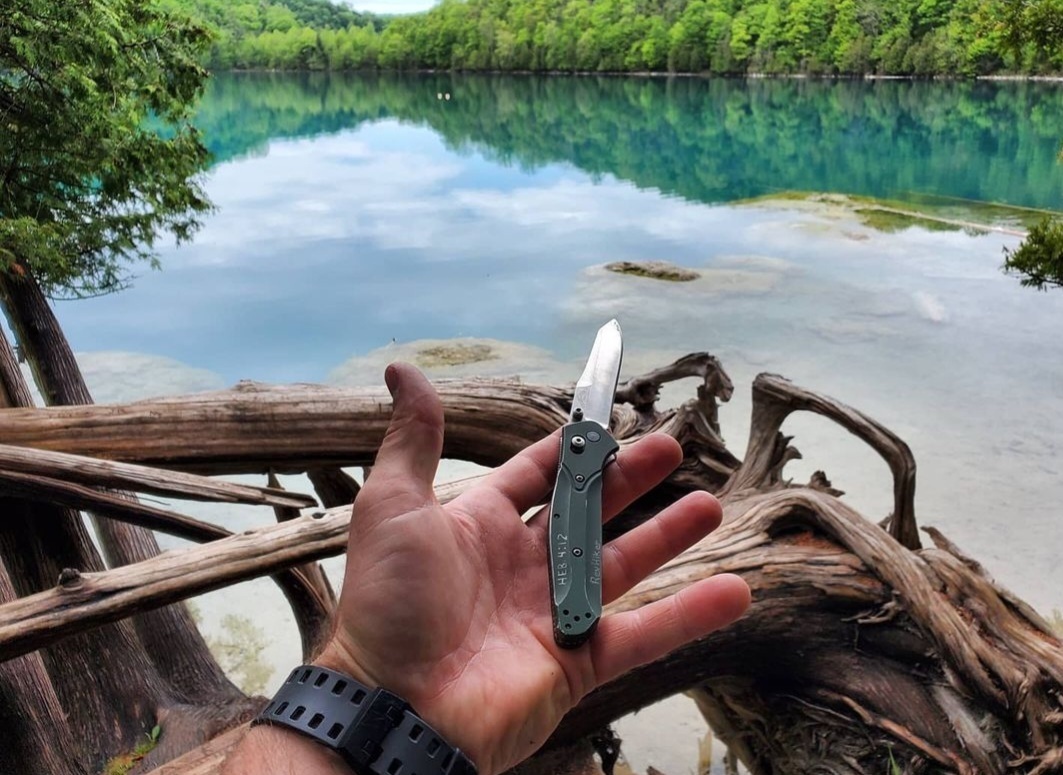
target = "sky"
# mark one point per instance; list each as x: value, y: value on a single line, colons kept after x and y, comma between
x: 391, y: 6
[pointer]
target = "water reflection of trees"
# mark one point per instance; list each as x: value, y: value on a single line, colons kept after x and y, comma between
x: 704, y: 140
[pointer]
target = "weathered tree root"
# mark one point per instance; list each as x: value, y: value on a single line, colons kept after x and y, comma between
x: 776, y: 398
x: 860, y: 648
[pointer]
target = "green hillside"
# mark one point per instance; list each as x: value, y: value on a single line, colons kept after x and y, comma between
x: 832, y: 37
x: 720, y: 36
x: 279, y: 34
x: 258, y: 16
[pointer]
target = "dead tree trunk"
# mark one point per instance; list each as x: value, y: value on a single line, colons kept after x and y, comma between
x: 37, y: 736
x: 106, y: 710
x: 40, y: 736
x: 141, y: 676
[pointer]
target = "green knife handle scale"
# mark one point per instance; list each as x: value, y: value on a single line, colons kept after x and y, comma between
x: 576, y: 532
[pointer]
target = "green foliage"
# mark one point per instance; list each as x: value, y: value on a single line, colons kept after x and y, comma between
x: 238, y: 650
x: 1039, y: 259
x: 288, y: 34
x: 1034, y: 32
x: 125, y: 763
x: 895, y: 769
x: 88, y: 182
x: 245, y: 17
x: 912, y: 37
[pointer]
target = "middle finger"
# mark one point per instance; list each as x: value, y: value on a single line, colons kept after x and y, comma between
x: 638, y: 468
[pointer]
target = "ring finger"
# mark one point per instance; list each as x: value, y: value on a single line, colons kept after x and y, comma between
x: 630, y: 558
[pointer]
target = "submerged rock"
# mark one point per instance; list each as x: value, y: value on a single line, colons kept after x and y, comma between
x: 454, y: 354
x: 456, y: 358
x: 927, y: 211
x: 892, y: 221
x: 657, y: 270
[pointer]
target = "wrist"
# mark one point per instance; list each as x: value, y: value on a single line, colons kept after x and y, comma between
x: 341, y: 656
x: 267, y: 749
x: 371, y: 727
x: 338, y: 656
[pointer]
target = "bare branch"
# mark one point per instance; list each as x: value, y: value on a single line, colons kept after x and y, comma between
x: 105, y: 473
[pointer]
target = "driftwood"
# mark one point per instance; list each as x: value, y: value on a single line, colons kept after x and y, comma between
x: 258, y: 428
x: 861, y: 649
x: 34, y: 463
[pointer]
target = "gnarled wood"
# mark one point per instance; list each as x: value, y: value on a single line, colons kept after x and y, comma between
x: 333, y: 486
x: 167, y: 665
x: 858, y: 648
x: 643, y: 391
x: 833, y: 654
x: 314, y: 610
x: 776, y: 398
x: 83, y: 601
x: 94, y: 598
x: 105, y: 473
x: 37, y: 728
x: 103, y: 680
x: 255, y: 428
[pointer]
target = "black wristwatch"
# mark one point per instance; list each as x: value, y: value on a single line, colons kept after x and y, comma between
x: 375, y: 731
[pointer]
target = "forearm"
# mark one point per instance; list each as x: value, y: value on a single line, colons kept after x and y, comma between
x: 276, y: 751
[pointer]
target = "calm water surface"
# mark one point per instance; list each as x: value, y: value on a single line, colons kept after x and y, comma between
x: 357, y: 215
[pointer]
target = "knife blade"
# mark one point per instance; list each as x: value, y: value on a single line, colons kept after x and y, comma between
x: 576, y: 507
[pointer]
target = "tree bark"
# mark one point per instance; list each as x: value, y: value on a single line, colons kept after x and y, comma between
x: 37, y: 736
x: 333, y: 486
x: 105, y: 473
x: 104, y: 710
x: 255, y: 428
x: 40, y: 737
x: 314, y: 613
x: 129, y: 689
x: 84, y: 600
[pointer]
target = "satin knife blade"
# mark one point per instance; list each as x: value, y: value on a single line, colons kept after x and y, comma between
x: 576, y: 508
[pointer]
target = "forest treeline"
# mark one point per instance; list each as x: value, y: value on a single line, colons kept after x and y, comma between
x: 903, y: 37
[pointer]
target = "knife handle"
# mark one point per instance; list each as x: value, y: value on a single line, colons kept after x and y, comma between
x: 576, y: 532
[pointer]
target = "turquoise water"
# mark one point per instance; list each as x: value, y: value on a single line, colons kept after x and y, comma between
x: 354, y: 211
x: 358, y: 216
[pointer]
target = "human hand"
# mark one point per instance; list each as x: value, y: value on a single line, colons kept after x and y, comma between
x: 448, y: 605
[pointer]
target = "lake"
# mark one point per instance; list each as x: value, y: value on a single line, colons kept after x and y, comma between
x: 360, y: 215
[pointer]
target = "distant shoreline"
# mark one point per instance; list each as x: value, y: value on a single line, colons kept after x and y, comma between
x: 663, y: 74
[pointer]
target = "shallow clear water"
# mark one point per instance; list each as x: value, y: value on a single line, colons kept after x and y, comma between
x: 358, y: 215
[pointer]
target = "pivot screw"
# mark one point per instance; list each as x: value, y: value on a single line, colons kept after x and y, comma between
x: 578, y: 443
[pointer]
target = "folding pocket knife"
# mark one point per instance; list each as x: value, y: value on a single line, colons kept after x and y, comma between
x: 576, y: 508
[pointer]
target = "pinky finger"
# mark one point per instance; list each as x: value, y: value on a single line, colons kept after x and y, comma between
x: 626, y: 640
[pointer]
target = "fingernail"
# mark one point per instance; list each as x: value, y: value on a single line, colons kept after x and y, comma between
x: 391, y: 379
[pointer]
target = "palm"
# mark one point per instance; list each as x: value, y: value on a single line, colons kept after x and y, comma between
x: 448, y: 606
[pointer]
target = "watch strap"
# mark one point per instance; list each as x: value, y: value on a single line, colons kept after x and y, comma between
x: 376, y: 732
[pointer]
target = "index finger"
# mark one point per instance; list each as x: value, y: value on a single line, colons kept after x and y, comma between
x: 526, y: 478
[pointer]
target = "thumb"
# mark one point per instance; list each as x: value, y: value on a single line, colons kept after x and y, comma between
x: 406, y: 463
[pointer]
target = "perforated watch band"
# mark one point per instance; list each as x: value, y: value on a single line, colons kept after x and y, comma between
x: 375, y: 731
